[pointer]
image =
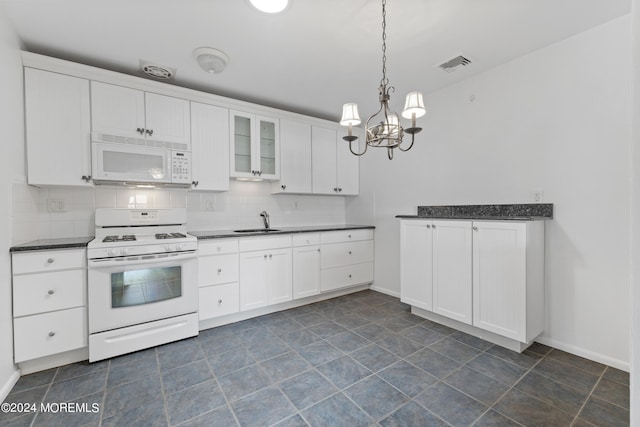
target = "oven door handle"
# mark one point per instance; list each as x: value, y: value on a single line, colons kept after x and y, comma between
x: 141, y: 259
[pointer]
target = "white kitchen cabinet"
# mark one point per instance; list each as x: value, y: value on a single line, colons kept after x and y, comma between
x: 508, y: 278
x: 122, y: 111
x: 346, y: 258
x: 209, y: 147
x: 218, y: 278
x: 416, y: 266
x: 306, y: 265
x: 255, y: 146
x: 335, y: 170
x: 49, y: 303
x: 295, y: 158
x: 58, y: 129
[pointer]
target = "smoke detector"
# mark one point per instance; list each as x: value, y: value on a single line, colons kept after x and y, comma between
x: 211, y: 60
x: 157, y: 71
x: 454, y: 64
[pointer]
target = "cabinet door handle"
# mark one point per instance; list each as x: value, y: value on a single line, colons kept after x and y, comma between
x: 259, y: 173
x: 86, y: 178
x: 474, y: 228
x: 51, y: 292
x: 50, y: 261
x: 428, y: 226
x: 318, y: 250
x: 220, y: 301
x: 195, y: 183
x: 219, y: 270
x: 149, y: 132
x: 140, y: 131
x: 270, y: 255
x: 265, y: 256
x: 284, y: 187
x: 349, y: 252
x: 51, y: 334
x: 339, y: 190
x: 433, y: 226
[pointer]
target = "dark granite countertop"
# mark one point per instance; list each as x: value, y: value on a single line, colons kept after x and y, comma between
x: 218, y: 234
x: 49, y: 244
x: 516, y: 212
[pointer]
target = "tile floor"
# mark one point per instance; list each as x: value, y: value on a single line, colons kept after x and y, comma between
x: 361, y: 359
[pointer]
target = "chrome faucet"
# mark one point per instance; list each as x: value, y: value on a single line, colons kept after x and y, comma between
x: 265, y: 218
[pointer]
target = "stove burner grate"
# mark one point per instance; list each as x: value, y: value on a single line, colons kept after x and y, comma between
x: 170, y: 236
x: 123, y: 238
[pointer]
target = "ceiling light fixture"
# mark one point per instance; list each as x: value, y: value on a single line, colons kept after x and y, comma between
x: 386, y: 131
x: 270, y: 6
x: 213, y: 61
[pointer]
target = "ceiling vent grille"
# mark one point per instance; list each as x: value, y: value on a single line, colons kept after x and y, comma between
x: 156, y: 71
x: 453, y: 64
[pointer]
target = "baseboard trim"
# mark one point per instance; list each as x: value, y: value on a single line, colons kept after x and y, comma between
x: 8, y: 385
x: 373, y: 287
x: 579, y: 351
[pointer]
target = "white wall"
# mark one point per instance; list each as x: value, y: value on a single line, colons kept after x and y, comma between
x: 555, y: 120
x: 12, y: 140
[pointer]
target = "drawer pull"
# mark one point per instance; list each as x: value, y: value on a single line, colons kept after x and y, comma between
x: 51, y: 334
x: 50, y: 261
x: 349, y: 252
x: 349, y: 235
x: 219, y: 270
x: 270, y: 255
x: 220, y: 301
x: 349, y: 276
x: 51, y: 292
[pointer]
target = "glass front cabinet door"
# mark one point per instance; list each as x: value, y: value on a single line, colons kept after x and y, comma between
x: 255, y: 146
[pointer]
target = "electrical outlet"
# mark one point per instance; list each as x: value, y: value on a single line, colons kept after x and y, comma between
x: 538, y: 196
x: 56, y: 205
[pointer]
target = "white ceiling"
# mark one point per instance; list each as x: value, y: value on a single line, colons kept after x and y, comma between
x: 315, y: 56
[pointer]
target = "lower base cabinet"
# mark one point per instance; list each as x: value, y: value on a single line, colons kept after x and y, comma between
x: 218, y: 300
x: 218, y: 287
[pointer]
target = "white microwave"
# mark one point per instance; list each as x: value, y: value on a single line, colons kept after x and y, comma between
x: 131, y: 161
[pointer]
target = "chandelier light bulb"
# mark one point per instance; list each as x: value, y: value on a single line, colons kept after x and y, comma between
x: 270, y: 6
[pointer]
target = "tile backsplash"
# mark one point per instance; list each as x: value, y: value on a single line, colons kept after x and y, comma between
x: 47, y: 213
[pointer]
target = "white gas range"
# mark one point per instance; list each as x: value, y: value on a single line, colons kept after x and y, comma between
x: 142, y: 280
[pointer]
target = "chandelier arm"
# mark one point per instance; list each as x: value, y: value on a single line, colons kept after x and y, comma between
x: 390, y: 153
x: 357, y: 154
x: 413, y: 136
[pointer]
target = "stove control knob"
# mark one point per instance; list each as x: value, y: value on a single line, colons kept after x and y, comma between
x: 124, y: 251
x: 178, y: 247
x: 168, y: 248
x: 112, y: 252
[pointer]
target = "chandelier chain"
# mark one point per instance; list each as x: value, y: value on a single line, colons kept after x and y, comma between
x: 384, y: 80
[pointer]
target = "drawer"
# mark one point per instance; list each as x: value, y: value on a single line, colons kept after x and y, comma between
x: 217, y: 269
x: 40, y: 293
x: 339, y: 254
x: 262, y: 243
x: 306, y: 239
x: 49, y: 333
x: 342, y: 277
x: 218, y: 300
x: 217, y: 246
x: 346, y: 235
x: 37, y: 262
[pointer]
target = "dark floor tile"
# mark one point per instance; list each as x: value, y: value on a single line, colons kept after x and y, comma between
x: 566, y: 374
x: 283, y: 327
x: 335, y: 312
x: 223, y: 344
x: 601, y: 413
x: 493, y: 419
x: 407, y: 378
x: 300, y: 311
x: 147, y: 354
x: 529, y: 411
x: 412, y: 415
x: 577, y: 361
x: 525, y: 360
x: 263, y: 350
x: 399, y: 345
x: 616, y: 375
x: 132, y: 395
x: 263, y: 408
x: 152, y: 414
x: 344, y: 371
x: 374, y: 300
x: 31, y: 397
x: 16, y: 419
x: 497, y: 368
x: 219, y: 417
x: 180, y: 346
x: 193, y: 402
x: 455, y: 350
x: 319, y: 352
x: 395, y: 323
x: 451, y: 405
x: 327, y: 329
x: 77, y: 387
x: 300, y: 338
x: 186, y: 376
x: 244, y: 381
x: 37, y: 379
x: 541, y: 349
x: 477, y: 385
x: 173, y: 359
x: 53, y: 416
x: 294, y: 421
x: 307, y: 389
x: 284, y: 366
x: 376, y: 397
x: 612, y: 392
x: 225, y: 363
x: 77, y: 369
x: 310, y: 319
x: 351, y: 321
x: 470, y: 340
x: 348, y: 341
x: 271, y: 318
x: 422, y: 335
x: 557, y: 394
x: 336, y: 411
x: 372, y: 331
x: 254, y: 336
x: 135, y: 370
x: 433, y: 363
x: 374, y: 357
x: 437, y: 327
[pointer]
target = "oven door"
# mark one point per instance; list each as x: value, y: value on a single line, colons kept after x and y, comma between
x: 128, y: 291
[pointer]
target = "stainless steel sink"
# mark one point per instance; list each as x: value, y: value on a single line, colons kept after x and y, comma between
x: 255, y: 230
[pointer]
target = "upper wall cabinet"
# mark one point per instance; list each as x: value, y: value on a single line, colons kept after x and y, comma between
x: 118, y: 110
x: 255, y: 146
x: 57, y: 110
x: 335, y: 169
x: 295, y: 158
x: 209, y: 147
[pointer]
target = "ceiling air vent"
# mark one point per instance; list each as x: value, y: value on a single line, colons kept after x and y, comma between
x: 156, y: 71
x: 453, y: 64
